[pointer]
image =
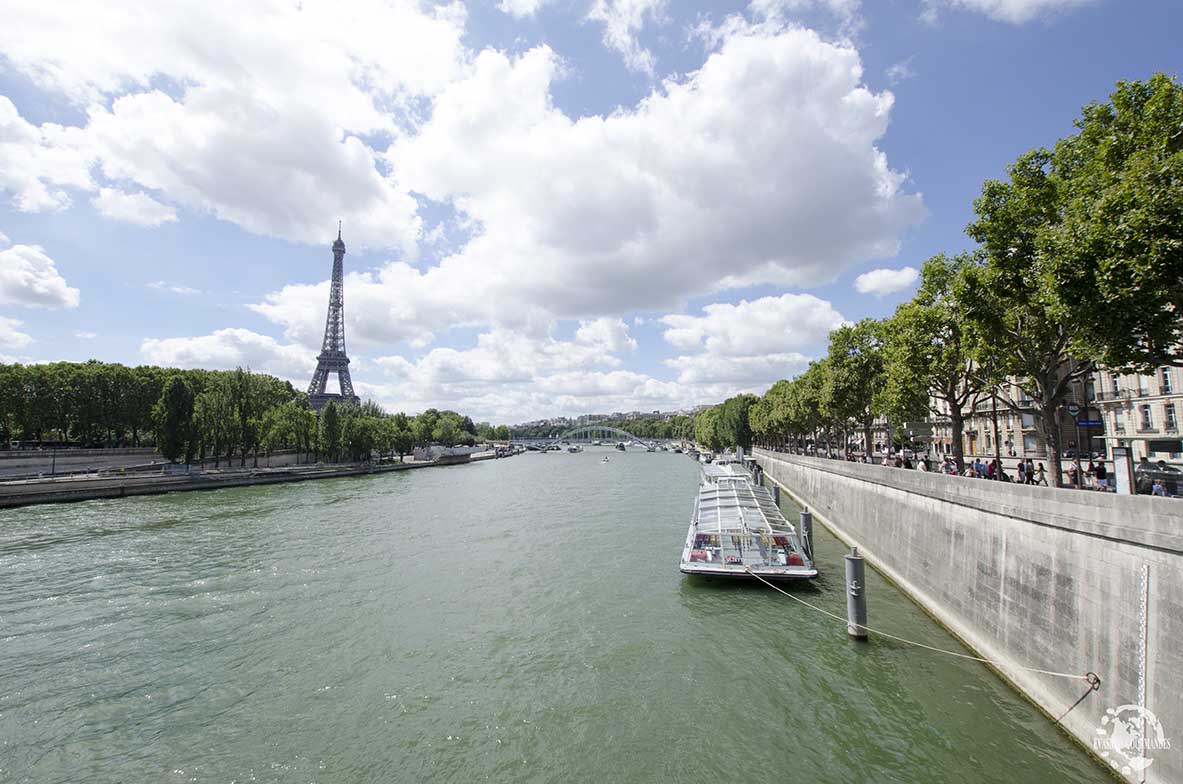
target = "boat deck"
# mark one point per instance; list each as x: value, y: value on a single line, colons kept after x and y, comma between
x: 738, y: 530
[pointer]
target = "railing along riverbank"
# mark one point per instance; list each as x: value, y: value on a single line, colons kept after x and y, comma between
x: 1027, y: 577
x: 87, y: 488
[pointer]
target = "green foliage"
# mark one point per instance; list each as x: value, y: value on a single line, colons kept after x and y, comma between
x: 706, y: 428
x: 930, y: 353
x: 856, y: 381
x: 174, y: 421
x: 330, y: 431
x: 734, y: 428
x: 1115, y: 257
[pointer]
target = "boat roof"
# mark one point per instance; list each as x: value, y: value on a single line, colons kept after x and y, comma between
x: 733, y: 504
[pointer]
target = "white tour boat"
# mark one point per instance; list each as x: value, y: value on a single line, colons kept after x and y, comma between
x: 738, y: 531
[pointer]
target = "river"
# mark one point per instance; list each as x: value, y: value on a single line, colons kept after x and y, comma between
x: 517, y: 620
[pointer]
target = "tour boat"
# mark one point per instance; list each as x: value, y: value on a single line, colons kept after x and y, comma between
x: 575, y: 449
x: 738, y: 531
x: 620, y: 447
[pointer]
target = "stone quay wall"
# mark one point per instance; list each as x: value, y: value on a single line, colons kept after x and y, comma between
x: 1029, y: 577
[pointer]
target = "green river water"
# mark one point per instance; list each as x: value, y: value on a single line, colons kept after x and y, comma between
x: 517, y: 620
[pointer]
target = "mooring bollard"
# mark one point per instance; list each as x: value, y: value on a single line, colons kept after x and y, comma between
x: 856, y: 596
x: 807, y: 532
x: 776, y: 494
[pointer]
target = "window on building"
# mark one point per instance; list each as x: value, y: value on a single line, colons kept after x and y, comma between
x: 1165, y: 375
x: 1147, y: 418
x: 1116, y: 386
x: 1169, y: 413
x: 1029, y: 444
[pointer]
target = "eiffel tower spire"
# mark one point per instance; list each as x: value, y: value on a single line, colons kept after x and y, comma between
x: 332, y: 357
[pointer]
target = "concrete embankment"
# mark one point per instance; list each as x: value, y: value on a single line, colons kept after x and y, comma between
x: 1029, y: 577
x: 67, y: 489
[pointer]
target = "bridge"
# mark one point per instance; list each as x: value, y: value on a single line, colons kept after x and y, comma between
x: 592, y: 432
x: 595, y: 432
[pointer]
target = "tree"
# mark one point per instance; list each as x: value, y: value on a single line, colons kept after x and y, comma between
x: 501, y: 433
x: 1116, y: 255
x: 706, y: 428
x: 330, y: 431
x: 857, y: 373
x: 929, y: 354
x: 732, y: 425
x: 404, y: 437
x: 1008, y: 297
x: 174, y: 421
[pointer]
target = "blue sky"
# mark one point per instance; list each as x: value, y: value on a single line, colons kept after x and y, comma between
x: 551, y: 206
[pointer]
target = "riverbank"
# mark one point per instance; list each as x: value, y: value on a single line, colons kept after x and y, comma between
x: 1058, y: 580
x: 83, y: 487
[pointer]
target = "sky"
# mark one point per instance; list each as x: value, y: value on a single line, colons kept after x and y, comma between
x: 551, y: 207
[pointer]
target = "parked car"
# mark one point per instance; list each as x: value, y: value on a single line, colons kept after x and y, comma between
x: 1146, y: 472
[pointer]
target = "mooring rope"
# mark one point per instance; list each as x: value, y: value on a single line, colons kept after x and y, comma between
x: 1091, y: 678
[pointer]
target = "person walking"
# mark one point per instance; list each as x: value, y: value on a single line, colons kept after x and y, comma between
x: 1021, y: 472
x: 1040, y: 476
x: 1102, y: 476
x: 1030, y: 472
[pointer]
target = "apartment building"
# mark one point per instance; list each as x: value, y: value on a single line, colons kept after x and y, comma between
x: 1142, y: 411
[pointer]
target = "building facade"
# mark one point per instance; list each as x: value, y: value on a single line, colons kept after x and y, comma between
x: 1141, y: 411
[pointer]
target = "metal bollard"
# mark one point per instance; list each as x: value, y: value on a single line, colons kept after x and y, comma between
x: 856, y: 596
x: 776, y: 494
x: 807, y: 532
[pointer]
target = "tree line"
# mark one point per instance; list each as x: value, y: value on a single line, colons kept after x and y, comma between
x: 203, y: 415
x: 1078, y: 264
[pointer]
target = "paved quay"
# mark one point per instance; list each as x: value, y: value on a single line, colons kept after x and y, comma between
x: 84, y: 487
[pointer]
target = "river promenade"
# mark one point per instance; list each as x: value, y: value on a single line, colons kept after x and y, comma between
x: 1049, y: 584
x: 155, y: 478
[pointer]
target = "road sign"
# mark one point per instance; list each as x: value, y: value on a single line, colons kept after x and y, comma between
x: 1073, y: 409
x: 1089, y: 422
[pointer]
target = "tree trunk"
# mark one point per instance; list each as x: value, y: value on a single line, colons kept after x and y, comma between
x: 957, y: 422
x: 1052, y: 439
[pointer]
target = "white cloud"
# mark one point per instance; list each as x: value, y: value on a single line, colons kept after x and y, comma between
x: 270, y: 129
x: 623, y: 21
x: 882, y: 282
x: 847, y: 12
x: 29, y: 277
x: 86, y: 335
x: 37, y: 164
x: 227, y: 349
x: 766, y: 326
x: 138, y: 207
x: 163, y: 285
x: 520, y: 8
x: 740, y: 374
x: 901, y: 71
x: 759, y: 168
x: 10, y: 337
x: 1012, y: 11
x: 4, y: 241
x: 749, y: 345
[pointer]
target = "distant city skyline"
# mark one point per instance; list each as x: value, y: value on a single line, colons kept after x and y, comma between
x: 553, y: 207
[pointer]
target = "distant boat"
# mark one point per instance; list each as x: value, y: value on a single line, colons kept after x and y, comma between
x: 575, y: 449
x: 605, y: 460
x: 650, y: 448
x: 620, y: 447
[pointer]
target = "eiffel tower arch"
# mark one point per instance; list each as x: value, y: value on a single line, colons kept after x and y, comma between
x: 332, y: 357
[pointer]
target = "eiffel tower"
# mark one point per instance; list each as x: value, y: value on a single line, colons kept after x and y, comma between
x: 332, y: 358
